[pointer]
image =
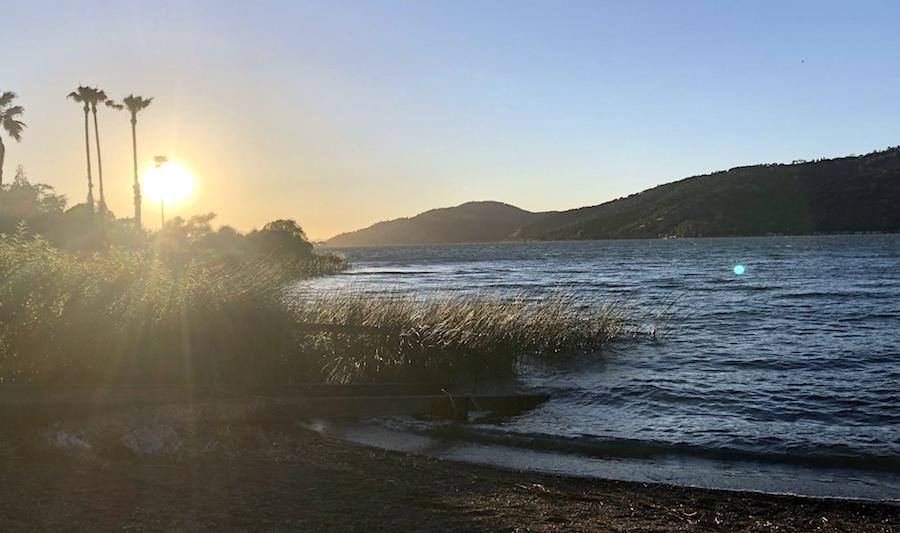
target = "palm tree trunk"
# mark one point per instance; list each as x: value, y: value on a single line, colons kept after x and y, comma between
x: 137, y: 184
x: 2, y: 157
x: 102, y: 205
x: 87, y: 150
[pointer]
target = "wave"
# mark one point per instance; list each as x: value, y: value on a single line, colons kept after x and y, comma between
x: 387, y: 272
x: 833, y: 457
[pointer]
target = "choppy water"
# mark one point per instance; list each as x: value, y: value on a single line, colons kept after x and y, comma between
x: 785, y: 378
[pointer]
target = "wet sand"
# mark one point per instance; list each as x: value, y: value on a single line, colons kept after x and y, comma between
x: 278, y: 480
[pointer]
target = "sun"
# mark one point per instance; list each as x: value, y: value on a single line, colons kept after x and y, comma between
x: 170, y: 182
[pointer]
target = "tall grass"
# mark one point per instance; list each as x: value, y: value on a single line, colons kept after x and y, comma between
x: 464, y: 336
x: 126, y: 317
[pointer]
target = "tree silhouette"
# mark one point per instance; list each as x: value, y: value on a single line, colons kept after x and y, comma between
x: 281, y: 237
x: 9, y: 123
x: 98, y: 97
x: 84, y: 95
x: 134, y: 105
x: 37, y: 205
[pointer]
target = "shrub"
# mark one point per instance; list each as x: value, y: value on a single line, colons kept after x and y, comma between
x: 128, y: 317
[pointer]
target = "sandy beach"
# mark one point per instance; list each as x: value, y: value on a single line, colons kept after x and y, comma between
x: 162, y: 471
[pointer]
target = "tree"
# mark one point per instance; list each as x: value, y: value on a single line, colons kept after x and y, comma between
x: 134, y: 105
x: 84, y: 95
x: 9, y: 123
x: 98, y: 97
x: 36, y: 205
x: 281, y: 237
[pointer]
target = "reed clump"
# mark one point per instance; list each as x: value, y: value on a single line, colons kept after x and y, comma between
x: 455, y: 337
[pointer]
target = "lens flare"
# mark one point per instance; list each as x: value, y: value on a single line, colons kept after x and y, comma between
x: 739, y: 270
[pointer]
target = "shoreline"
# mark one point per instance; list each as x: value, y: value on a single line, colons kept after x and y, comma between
x: 228, y: 474
x: 688, y: 472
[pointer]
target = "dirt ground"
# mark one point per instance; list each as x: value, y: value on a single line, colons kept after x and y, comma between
x: 300, y: 481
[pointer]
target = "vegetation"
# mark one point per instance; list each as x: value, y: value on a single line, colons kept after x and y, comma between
x: 101, y: 301
x: 134, y: 317
x: 124, y: 317
x: 848, y: 194
x: 134, y: 105
x: 93, y: 288
x: 9, y: 123
x: 451, y: 338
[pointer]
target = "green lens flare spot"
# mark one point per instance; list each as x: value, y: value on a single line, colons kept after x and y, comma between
x: 739, y: 269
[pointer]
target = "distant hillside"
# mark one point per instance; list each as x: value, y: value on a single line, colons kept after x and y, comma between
x: 469, y: 222
x: 849, y: 194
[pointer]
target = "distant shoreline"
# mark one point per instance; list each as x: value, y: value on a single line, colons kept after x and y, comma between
x: 537, y: 241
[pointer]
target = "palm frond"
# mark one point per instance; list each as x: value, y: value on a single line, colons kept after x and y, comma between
x: 99, y: 96
x: 82, y: 94
x: 14, y: 111
x: 13, y: 127
x: 6, y: 97
x: 8, y: 121
x: 136, y: 103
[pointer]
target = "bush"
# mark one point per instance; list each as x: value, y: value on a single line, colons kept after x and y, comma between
x: 127, y: 317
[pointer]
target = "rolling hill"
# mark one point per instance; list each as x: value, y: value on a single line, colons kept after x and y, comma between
x: 841, y: 195
x: 469, y: 222
x: 847, y: 194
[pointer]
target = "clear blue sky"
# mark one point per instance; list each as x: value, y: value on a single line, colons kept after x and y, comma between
x: 340, y: 114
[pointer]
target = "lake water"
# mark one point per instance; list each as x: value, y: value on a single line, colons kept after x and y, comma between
x: 784, y: 378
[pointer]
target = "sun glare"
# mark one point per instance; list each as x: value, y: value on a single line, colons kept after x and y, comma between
x: 170, y: 182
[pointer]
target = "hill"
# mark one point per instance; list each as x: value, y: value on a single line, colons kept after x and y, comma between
x: 469, y: 222
x: 848, y: 194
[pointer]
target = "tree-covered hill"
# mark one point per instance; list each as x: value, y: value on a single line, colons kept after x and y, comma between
x: 848, y: 194
x: 469, y: 222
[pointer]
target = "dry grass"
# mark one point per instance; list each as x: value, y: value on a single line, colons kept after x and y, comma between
x: 448, y: 337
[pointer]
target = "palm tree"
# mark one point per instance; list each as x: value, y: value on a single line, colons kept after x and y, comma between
x: 134, y: 105
x: 98, y: 97
x: 84, y: 95
x: 9, y: 123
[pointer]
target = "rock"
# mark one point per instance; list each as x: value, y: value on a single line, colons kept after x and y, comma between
x: 67, y: 441
x: 155, y: 440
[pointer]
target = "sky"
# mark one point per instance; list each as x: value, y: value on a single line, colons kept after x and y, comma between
x: 341, y: 114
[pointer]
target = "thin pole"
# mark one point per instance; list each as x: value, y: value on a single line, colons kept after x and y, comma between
x: 160, y: 159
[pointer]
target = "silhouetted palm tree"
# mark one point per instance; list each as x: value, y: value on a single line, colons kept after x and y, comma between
x: 9, y: 123
x: 83, y: 95
x: 98, y: 97
x: 134, y: 105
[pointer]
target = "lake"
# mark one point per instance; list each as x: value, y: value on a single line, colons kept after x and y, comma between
x: 778, y: 368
